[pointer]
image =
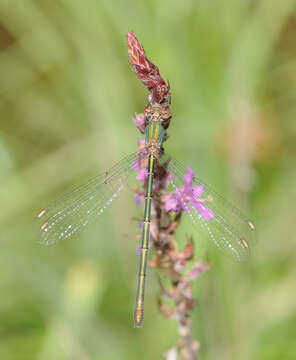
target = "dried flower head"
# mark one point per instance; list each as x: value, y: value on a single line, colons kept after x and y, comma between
x: 146, y: 71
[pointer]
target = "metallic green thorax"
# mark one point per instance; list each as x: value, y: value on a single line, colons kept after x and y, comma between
x: 154, y: 136
x: 154, y: 132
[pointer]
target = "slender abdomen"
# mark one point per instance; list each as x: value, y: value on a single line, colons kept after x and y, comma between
x: 139, y: 309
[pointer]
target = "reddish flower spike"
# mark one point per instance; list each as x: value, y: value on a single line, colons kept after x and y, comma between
x: 145, y: 70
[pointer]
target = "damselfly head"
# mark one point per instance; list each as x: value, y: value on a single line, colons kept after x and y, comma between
x: 158, y: 113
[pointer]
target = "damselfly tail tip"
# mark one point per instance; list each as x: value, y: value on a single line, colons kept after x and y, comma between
x: 138, y: 317
x: 138, y: 324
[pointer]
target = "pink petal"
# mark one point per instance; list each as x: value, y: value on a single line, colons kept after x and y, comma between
x: 172, y: 204
x: 205, y: 212
x: 139, y: 119
x: 154, y: 230
x: 189, y: 176
x: 182, y: 194
x: 197, y: 191
x: 136, y: 165
x: 198, y: 268
x: 142, y: 175
x: 185, y: 207
x: 141, y: 147
x: 169, y: 176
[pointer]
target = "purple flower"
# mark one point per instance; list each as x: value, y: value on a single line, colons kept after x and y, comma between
x: 139, y: 121
x: 136, y: 165
x: 199, y: 267
x: 188, y: 194
x: 138, y: 199
x: 142, y: 174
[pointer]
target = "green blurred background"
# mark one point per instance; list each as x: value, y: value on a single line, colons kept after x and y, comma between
x: 67, y: 96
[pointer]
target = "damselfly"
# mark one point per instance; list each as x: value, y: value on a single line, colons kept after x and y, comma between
x: 228, y: 228
x: 221, y: 222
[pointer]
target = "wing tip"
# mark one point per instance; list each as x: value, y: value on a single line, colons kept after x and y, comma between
x: 251, y: 225
x: 42, y: 213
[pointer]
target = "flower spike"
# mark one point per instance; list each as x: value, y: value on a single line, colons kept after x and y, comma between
x: 146, y: 71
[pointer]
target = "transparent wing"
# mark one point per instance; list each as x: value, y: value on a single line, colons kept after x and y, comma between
x: 230, y: 230
x: 71, y: 212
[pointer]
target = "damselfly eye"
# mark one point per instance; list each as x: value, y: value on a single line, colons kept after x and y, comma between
x: 165, y: 123
x: 166, y: 117
x: 148, y: 114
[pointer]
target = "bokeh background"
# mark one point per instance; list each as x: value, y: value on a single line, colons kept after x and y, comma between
x: 67, y: 96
